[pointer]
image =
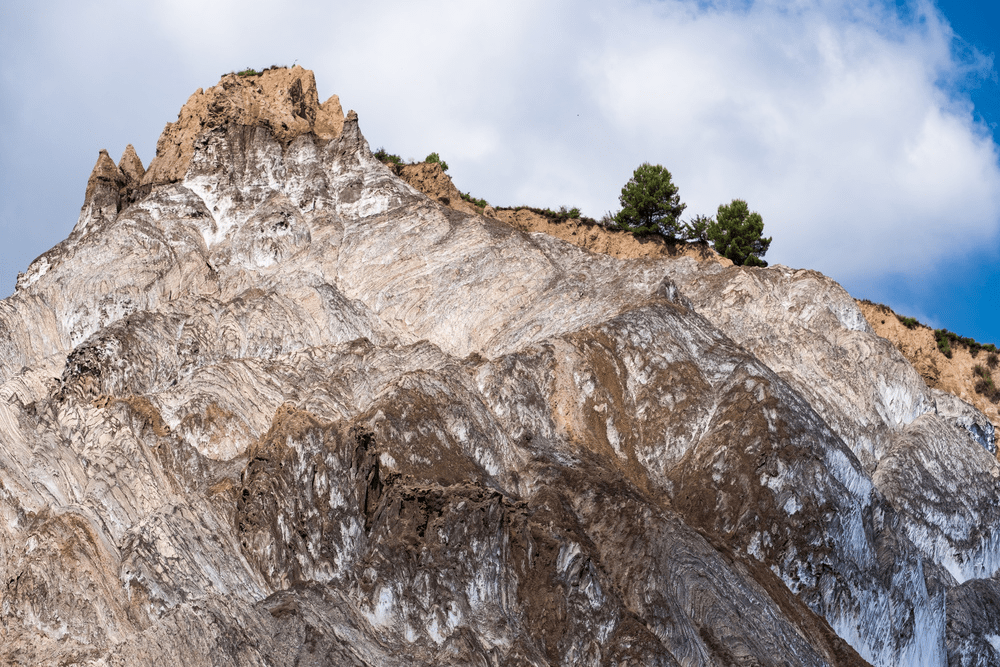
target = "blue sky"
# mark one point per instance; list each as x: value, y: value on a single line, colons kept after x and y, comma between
x: 865, y: 133
x: 962, y: 294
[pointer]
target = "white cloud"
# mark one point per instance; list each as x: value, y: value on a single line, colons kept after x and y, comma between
x: 834, y: 129
x: 831, y: 118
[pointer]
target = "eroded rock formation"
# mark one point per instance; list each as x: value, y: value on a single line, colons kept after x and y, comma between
x: 955, y: 375
x: 274, y: 406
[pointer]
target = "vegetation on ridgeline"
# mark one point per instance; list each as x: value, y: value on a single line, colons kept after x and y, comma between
x: 481, y: 203
x: 946, y: 339
x: 435, y: 158
x: 696, y: 229
x: 383, y: 155
x: 651, y: 205
x: 249, y: 71
x: 564, y: 213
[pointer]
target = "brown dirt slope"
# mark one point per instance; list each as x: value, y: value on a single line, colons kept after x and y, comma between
x: 433, y: 182
x: 918, y: 345
x: 429, y: 178
x: 596, y: 238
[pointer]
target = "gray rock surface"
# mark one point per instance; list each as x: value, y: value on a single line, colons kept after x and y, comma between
x: 270, y: 405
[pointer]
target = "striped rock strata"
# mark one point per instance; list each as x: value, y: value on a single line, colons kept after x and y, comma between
x: 270, y: 405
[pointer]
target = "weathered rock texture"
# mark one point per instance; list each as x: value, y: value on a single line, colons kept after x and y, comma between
x: 613, y: 242
x: 275, y: 406
x: 430, y: 179
x: 282, y: 100
x: 955, y: 375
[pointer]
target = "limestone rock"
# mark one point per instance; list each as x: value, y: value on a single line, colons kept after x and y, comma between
x: 283, y: 408
x: 102, y: 200
x: 131, y: 167
x: 430, y: 179
x: 974, y: 623
x: 965, y: 416
x: 955, y: 375
x: 281, y: 99
x: 329, y: 119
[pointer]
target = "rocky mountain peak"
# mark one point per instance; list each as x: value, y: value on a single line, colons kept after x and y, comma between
x: 131, y: 167
x: 110, y: 188
x: 282, y: 99
x: 102, y: 199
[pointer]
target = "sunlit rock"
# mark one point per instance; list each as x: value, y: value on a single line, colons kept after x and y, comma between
x: 270, y: 404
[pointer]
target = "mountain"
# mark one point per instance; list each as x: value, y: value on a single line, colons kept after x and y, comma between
x: 959, y: 368
x: 270, y: 404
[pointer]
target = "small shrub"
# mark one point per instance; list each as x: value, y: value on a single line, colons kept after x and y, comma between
x: 909, y: 322
x: 249, y: 71
x: 869, y: 302
x: 562, y: 215
x: 984, y: 383
x: 481, y: 203
x: 971, y: 344
x: 992, y: 360
x: 434, y: 157
x: 943, y: 341
x: 947, y: 339
x: 986, y: 387
x: 696, y: 229
x: 383, y: 156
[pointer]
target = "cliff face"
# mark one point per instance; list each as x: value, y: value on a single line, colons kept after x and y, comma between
x: 955, y: 375
x: 271, y: 405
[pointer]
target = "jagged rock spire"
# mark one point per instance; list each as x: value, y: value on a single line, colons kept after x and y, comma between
x: 102, y: 200
x: 131, y: 167
x: 110, y: 188
x: 282, y: 99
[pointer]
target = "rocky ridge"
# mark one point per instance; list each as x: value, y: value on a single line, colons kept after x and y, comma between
x: 431, y: 180
x: 955, y: 375
x: 269, y: 404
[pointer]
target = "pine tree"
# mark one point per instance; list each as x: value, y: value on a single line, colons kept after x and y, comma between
x: 738, y: 234
x: 650, y: 203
